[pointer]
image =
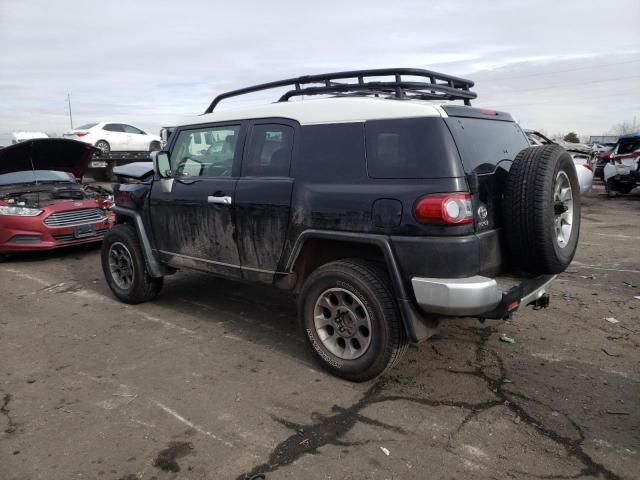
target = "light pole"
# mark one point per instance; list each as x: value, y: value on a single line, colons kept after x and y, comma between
x: 70, y: 115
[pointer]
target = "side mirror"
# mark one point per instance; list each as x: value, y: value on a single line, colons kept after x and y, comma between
x: 161, y: 163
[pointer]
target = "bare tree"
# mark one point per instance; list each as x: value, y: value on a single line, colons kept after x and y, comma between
x: 625, y: 127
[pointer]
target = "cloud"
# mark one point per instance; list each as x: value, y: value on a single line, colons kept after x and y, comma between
x: 149, y: 62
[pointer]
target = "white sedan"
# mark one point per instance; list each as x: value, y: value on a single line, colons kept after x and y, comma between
x: 115, y: 137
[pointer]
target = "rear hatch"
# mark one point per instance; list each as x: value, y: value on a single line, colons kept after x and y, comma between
x: 487, y: 141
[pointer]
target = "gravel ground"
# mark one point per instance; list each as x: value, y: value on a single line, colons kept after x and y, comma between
x: 212, y: 380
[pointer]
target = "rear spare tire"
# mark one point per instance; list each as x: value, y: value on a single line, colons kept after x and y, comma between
x: 542, y: 210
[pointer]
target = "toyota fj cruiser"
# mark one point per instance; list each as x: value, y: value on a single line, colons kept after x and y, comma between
x: 384, y: 208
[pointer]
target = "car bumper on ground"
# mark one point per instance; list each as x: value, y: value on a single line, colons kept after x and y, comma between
x: 478, y: 296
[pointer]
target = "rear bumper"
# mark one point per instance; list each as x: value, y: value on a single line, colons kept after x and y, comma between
x: 477, y: 296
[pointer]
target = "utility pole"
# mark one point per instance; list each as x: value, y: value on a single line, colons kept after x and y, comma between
x: 70, y: 115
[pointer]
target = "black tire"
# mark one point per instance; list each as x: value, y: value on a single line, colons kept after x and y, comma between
x: 142, y: 287
x: 154, y: 146
x: 370, y: 289
x: 531, y: 210
x: 611, y: 188
x: 103, y: 146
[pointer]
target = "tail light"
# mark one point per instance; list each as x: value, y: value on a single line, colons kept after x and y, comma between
x: 444, y: 209
x: 80, y: 134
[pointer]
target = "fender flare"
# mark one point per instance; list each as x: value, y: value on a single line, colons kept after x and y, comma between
x: 417, y: 325
x: 154, y: 268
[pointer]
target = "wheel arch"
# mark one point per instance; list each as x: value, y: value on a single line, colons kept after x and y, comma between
x: 314, y: 248
x: 133, y: 218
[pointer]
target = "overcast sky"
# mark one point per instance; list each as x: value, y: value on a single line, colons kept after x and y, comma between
x: 555, y: 65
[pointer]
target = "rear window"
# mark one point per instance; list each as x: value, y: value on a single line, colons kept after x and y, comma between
x: 410, y: 148
x: 628, y: 146
x: 485, y: 143
x: 86, y: 126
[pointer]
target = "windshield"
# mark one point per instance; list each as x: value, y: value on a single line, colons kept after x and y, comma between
x: 35, y: 176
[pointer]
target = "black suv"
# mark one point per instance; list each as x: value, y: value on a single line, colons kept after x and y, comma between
x: 384, y: 208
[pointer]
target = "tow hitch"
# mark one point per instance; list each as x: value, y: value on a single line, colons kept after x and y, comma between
x: 542, y: 302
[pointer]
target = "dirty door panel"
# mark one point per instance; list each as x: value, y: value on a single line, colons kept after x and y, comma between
x: 263, y: 198
x: 194, y: 220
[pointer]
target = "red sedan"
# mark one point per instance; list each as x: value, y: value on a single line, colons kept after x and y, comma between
x: 43, y: 204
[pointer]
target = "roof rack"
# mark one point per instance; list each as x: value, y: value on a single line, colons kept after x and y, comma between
x: 437, y: 86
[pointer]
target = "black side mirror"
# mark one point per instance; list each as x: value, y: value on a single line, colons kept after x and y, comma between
x: 161, y: 164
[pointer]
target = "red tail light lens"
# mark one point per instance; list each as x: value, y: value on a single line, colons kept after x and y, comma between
x: 444, y: 209
x: 80, y: 134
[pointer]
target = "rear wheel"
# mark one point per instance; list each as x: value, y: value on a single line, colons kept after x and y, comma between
x: 350, y: 319
x: 124, y: 266
x: 610, y: 188
x: 542, y: 209
x: 103, y: 146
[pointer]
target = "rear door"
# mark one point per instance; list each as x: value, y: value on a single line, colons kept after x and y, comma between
x: 263, y: 197
x: 136, y: 139
x: 193, y: 213
x: 488, y: 142
x: 114, y: 134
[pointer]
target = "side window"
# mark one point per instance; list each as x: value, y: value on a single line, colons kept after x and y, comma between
x: 205, y: 152
x: 113, y: 127
x: 130, y: 129
x: 269, y: 151
x: 410, y: 148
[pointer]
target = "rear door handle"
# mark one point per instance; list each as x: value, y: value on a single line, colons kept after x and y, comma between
x: 226, y: 200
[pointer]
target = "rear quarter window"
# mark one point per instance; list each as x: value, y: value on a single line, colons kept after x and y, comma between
x: 410, y: 148
x: 331, y: 152
x: 484, y: 143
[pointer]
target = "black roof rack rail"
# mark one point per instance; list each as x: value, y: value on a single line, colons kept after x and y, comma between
x: 437, y: 87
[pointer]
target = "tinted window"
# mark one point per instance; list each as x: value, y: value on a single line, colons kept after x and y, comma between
x: 628, y: 146
x: 207, y: 152
x: 86, y: 126
x: 410, y: 148
x: 130, y: 129
x: 113, y: 127
x: 331, y: 150
x: 484, y: 143
x: 269, y: 151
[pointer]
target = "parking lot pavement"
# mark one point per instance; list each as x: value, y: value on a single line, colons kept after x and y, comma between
x: 213, y: 381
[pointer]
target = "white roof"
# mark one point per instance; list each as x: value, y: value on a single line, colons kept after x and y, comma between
x: 326, y: 110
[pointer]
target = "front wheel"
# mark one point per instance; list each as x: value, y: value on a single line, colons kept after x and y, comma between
x: 350, y: 319
x: 154, y: 146
x: 124, y: 266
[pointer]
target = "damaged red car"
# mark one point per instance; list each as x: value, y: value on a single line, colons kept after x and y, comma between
x: 43, y: 204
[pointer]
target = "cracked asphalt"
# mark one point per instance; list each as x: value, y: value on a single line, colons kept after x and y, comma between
x: 213, y: 381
